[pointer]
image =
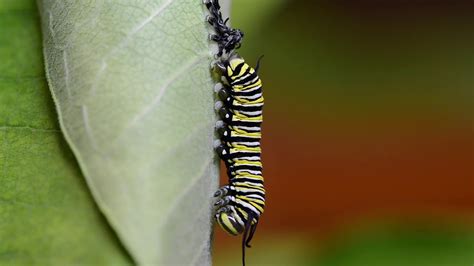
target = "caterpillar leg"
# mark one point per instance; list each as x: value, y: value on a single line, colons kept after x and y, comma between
x: 222, y: 192
x: 224, y: 209
x: 218, y: 65
x: 221, y: 150
x: 221, y: 127
x: 224, y: 93
x: 223, y: 111
x: 224, y: 201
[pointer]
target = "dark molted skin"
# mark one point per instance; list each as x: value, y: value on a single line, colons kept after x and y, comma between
x: 227, y: 38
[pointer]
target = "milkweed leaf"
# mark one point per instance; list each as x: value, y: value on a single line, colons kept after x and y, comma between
x: 133, y: 91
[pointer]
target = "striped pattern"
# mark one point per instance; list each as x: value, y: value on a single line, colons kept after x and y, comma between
x: 243, y: 199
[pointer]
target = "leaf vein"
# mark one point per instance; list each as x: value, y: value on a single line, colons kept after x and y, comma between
x: 87, y: 127
x: 157, y: 99
x: 66, y: 74
x: 139, y: 27
x: 29, y: 128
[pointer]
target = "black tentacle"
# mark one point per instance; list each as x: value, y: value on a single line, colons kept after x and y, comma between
x: 252, y: 232
x: 257, y: 67
x: 246, y: 235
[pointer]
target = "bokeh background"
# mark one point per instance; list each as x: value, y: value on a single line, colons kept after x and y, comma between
x: 368, y: 136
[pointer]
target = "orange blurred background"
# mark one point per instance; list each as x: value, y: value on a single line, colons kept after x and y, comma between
x: 368, y: 132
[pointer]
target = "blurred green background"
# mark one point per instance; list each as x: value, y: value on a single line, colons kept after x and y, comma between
x: 368, y: 132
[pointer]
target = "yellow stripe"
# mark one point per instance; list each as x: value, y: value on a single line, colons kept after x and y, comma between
x: 243, y: 184
x: 228, y: 224
x: 240, y: 119
x: 239, y: 88
x: 238, y: 131
x: 248, y: 190
x: 257, y: 83
x: 259, y: 208
x: 253, y: 202
x: 243, y: 212
x: 246, y: 134
x: 249, y: 176
x: 238, y: 100
x: 247, y: 162
x: 244, y: 148
x: 241, y: 73
x: 243, y: 117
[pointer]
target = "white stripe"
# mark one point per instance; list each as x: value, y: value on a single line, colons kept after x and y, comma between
x: 243, y: 183
x: 246, y: 83
x: 241, y: 78
x: 236, y: 103
x: 251, y: 89
x: 252, y: 143
x: 249, y: 190
x: 248, y: 205
x: 248, y: 144
x: 249, y: 158
x: 251, y: 113
x: 250, y: 97
x: 251, y: 82
x: 255, y: 196
x: 248, y: 128
x: 253, y: 172
x: 236, y: 216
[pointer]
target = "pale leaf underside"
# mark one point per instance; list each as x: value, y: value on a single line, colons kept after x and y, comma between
x: 133, y: 90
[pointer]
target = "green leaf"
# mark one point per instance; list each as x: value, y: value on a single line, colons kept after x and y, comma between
x: 47, y: 215
x: 134, y: 93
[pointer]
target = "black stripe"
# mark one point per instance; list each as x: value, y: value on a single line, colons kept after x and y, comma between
x: 246, y: 123
x: 247, y: 130
x: 245, y: 180
x: 257, y: 192
x: 246, y: 92
x: 245, y: 167
x: 241, y: 143
x: 248, y: 210
x: 230, y: 140
x: 232, y: 173
x: 249, y: 78
x: 237, y: 69
x: 246, y: 107
x: 240, y: 154
x: 240, y: 215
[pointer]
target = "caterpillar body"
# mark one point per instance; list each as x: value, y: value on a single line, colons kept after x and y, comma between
x: 241, y: 202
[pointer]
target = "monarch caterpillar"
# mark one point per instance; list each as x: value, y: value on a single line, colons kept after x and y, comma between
x: 242, y: 201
